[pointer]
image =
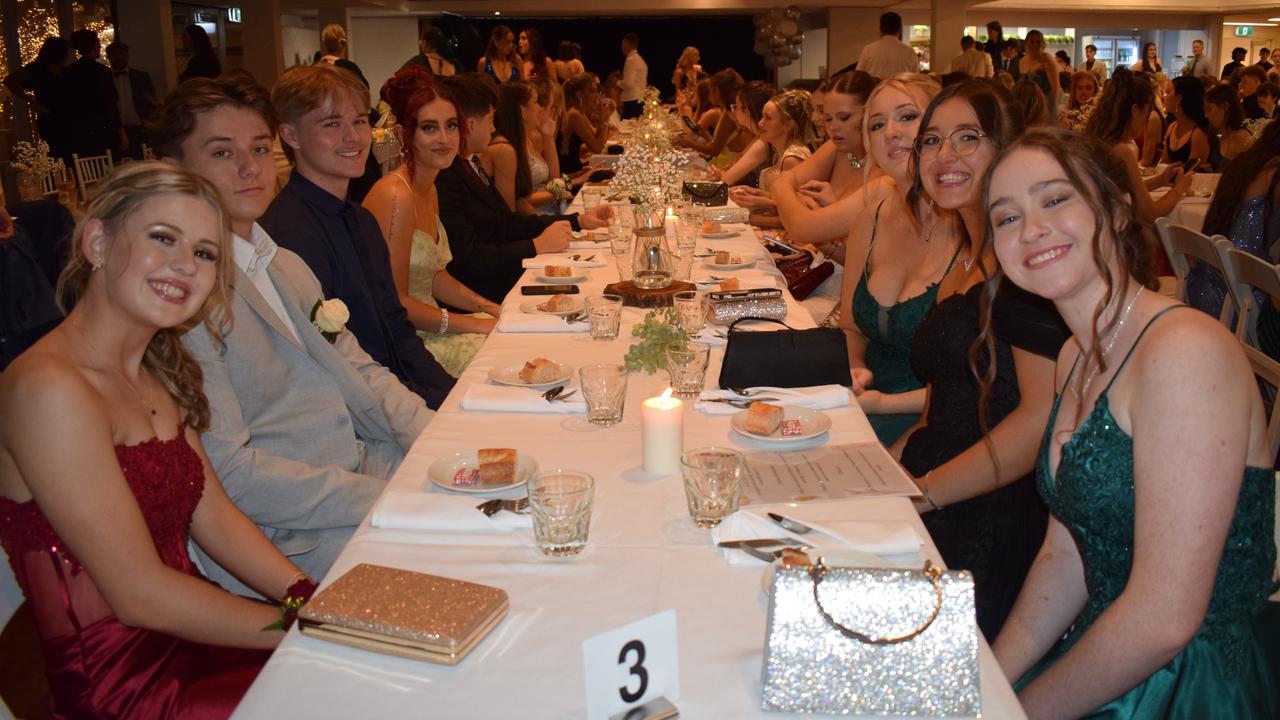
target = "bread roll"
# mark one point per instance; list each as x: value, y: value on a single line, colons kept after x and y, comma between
x: 763, y: 418
x: 558, y: 271
x: 538, y: 370
x: 711, y: 226
x: 497, y: 466
x: 730, y: 285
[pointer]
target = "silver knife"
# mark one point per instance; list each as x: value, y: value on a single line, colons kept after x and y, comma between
x: 790, y: 525
x: 755, y: 543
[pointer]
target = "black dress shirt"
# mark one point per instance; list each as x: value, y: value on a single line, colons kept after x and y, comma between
x: 487, y: 240
x: 343, y: 245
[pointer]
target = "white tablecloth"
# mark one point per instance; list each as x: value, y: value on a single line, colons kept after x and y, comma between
x: 644, y: 556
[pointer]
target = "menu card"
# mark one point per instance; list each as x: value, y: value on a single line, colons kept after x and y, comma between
x: 825, y: 473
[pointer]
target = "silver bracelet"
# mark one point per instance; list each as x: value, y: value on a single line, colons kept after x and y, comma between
x: 924, y: 489
x: 444, y: 320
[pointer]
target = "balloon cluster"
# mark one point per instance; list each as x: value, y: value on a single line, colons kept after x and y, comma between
x: 778, y: 36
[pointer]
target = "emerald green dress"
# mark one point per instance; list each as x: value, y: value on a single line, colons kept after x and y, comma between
x: 1225, y: 671
x: 428, y: 256
x: 889, y: 332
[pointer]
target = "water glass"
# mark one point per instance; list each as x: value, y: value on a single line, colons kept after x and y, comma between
x: 712, y: 483
x: 604, y: 388
x: 604, y: 312
x: 690, y: 310
x: 623, y: 218
x: 687, y: 365
x: 620, y: 246
x: 560, y: 501
x: 590, y: 197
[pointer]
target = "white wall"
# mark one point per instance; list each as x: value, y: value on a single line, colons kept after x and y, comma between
x: 381, y: 45
x: 300, y: 38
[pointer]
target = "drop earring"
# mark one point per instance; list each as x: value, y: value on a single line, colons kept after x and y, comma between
x: 97, y: 263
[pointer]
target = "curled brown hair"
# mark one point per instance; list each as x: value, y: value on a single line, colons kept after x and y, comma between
x: 406, y: 92
x: 1102, y: 180
x: 120, y: 195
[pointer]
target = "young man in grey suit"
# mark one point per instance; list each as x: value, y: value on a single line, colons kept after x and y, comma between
x: 306, y: 430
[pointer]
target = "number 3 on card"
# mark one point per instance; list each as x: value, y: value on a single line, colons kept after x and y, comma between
x: 631, y: 665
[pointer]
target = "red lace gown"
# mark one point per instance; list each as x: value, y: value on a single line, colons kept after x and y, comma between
x: 97, y: 665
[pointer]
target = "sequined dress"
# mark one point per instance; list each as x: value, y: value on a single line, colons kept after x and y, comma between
x: 889, y: 332
x: 996, y: 535
x: 97, y: 665
x: 1251, y: 233
x: 1225, y: 671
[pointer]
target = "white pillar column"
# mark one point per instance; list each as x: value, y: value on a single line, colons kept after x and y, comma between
x: 146, y: 26
x: 854, y: 28
x: 262, y: 36
x: 947, y: 19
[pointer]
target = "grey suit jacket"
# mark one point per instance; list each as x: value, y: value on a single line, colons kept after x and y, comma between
x: 303, y: 437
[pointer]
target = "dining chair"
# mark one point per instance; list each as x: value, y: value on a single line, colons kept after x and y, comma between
x: 1249, y: 273
x: 91, y: 170
x: 1183, y: 244
x: 56, y: 176
x: 147, y: 152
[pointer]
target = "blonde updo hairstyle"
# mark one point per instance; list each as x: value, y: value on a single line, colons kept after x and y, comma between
x: 120, y: 195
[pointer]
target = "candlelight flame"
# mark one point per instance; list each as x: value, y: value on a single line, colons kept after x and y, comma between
x: 666, y: 394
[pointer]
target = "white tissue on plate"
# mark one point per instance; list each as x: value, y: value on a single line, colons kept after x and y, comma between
x: 440, y: 512
x: 877, y: 538
x: 541, y: 261
x: 818, y: 397
x: 492, y: 398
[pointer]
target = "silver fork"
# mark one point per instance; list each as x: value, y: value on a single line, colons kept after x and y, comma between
x: 741, y: 403
x: 771, y: 555
x: 516, y: 505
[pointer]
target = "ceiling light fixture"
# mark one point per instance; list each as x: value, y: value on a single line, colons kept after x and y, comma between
x: 1255, y: 24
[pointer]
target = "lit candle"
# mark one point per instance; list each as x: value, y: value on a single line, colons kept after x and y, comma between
x: 669, y: 225
x: 662, y: 433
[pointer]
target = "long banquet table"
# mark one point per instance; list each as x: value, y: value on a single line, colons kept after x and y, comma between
x: 644, y: 556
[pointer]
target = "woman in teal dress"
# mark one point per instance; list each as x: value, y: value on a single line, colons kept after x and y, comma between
x: 893, y: 262
x: 407, y: 209
x: 1149, y: 596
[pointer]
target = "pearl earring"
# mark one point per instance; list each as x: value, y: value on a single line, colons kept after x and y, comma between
x: 97, y: 263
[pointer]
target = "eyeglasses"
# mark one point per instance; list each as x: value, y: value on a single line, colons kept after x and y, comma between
x: 964, y: 142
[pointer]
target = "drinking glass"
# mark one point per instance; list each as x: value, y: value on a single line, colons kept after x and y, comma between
x: 620, y: 246
x: 67, y: 193
x: 688, y: 222
x: 604, y: 312
x: 560, y: 501
x: 604, y: 387
x: 590, y: 198
x: 712, y: 483
x: 687, y: 365
x: 690, y: 310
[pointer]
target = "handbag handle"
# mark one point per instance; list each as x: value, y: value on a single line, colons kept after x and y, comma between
x: 818, y: 571
x: 734, y: 324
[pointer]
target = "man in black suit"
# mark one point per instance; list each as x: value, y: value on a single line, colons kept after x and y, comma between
x: 89, y: 99
x: 1237, y: 61
x: 136, y: 98
x: 487, y: 239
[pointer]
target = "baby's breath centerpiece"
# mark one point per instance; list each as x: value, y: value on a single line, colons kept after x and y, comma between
x: 33, y: 164
x: 648, y: 173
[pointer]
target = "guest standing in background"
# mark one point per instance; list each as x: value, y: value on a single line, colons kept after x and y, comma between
x: 888, y: 56
x: 1148, y: 60
x: 1012, y: 56
x: 685, y: 76
x: 1093, y: 64
x: 995, y: 44
x: 1237, y: 61
x: 324, y: 127
x: 1038, y: 66
x: 40, y: 83
x: 432, y: 46
x: 635, y: 78
x: 1198, y: 64
x: 500, y: 61
x: 204, y: 60
x: 136, y: 97
x: 533, y: 53
x: 89, y: 97
x: 333, y: 41
x: 971, y: 61
x: 1264, y: 55
x: 568, y: 62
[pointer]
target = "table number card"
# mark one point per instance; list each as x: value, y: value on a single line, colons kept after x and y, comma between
x: 631, y: 665
x: 825, y: 473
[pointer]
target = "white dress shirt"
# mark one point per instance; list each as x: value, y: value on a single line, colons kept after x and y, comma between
x: 887, y: 57
x: 253, y: 256
x: 973, y: 63
x: 124, y: 95
x: 635, y: 77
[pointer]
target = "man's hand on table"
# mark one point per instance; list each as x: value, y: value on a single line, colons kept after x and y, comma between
x: 555, y: 237
x: 597, y: 217
x: 7, y: 229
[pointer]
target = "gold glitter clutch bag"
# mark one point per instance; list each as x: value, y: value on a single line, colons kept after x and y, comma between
x: 404, y: 613
x: 866, y: 641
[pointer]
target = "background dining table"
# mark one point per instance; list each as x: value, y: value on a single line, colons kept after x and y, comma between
x: 644, y: 556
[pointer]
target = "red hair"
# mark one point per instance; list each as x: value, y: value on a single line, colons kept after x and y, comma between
x: 406, y: 92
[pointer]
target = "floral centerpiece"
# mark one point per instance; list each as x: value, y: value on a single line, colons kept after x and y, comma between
x: 649, y: 172
x: 1256, y: 126
x: 33, y: 164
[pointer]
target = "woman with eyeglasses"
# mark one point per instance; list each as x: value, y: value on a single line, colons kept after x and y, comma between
x: 973, y: 456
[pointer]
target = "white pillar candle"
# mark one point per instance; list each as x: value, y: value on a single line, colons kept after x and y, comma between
x: 669, y: 226
x: 662, y: 434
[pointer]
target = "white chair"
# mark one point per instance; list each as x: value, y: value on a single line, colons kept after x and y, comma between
x: 54, y: 178
x: 91, y: 170
x: 1181, y: 243
x: 1248, y: 272
x: 147, y: 153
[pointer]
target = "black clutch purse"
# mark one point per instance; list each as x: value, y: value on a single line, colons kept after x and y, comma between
x: 784, y: 358
x: 703, y: 192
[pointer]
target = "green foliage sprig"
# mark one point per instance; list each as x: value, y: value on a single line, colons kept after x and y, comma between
x: 659, y: 329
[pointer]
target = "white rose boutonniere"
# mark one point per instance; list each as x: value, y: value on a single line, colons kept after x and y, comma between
x: 330, y: 317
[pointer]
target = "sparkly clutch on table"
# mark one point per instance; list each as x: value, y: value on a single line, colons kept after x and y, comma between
x: 404, y: 613
x: 866, y: 641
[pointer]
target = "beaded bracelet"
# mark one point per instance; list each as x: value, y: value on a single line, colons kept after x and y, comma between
x: 924, y: 489
x: 444, y: 320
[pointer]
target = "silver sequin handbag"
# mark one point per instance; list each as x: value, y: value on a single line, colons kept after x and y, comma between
x: 866, y: 641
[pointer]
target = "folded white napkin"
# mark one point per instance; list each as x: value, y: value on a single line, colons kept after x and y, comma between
x: 819, y: 397
x: 878, y: 538
x: 541, y: 261
x: 498, y: 398
x: 602, y: 245
x: 440, y: 512
x: 514, y: 321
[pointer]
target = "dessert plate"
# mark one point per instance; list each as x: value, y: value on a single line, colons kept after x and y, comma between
x: 442, y: 471
x: 511, y: 376
x: 531, y: 307
x: 812, y: 424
